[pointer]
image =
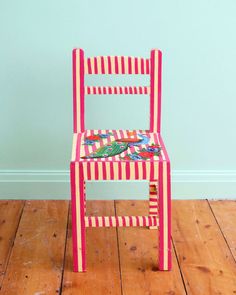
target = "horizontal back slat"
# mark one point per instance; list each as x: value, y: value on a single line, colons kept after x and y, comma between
x: 117, y: 90
x: 116, y: 65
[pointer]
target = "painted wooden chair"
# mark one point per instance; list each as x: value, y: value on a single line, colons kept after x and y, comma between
x: 119, y: 154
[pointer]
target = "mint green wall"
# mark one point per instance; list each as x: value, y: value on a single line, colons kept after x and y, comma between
x: 198, y: 41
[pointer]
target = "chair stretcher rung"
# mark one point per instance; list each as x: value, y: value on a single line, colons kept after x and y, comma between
x: 117, y: 90
x: 120, y: 221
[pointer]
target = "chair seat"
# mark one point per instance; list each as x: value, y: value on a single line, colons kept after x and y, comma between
x: 119, y: 154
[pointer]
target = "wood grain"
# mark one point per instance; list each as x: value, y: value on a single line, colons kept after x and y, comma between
x: 225, y: 214
x: 36, y: 262
x: 102, y: 276
x: 207, y: 265
x: 10, y: 213
x: 139, y: 257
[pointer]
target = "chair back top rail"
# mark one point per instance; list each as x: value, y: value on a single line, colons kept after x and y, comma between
x: 116, y: 65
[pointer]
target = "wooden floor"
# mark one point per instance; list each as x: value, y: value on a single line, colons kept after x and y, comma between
x: 36, y: 255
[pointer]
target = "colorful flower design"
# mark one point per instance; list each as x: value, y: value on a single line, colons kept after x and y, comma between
x: 143, y: 154
x: 91, y: 139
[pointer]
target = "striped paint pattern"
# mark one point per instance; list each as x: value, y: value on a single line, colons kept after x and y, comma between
x: 153, y: 198
x: 120, y: 221
x: 156, y: 169
x: 155, y: 90
x: 117, y: 65
x: 117, y: 90
x: 78, y: 90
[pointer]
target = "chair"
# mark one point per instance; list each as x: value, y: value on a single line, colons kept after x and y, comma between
x: 119, y: 154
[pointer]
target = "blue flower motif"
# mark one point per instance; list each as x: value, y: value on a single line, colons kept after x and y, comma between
x: 103, y: 135
x: 89, y: 142
x: 153, y: 150
x: 135, y: 157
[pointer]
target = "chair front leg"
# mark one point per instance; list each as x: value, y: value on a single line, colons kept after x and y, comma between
x: 78, y: 214
x: 153, y: 200
x: 164, y: 216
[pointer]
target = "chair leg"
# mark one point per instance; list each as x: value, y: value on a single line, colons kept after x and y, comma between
x: 153, y: 200
x: 78, y: 220
x: 164, y: 216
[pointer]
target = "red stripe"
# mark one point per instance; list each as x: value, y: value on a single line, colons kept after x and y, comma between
x: 123, y: 221
x: 136, y: 65
x: 109, y: 64
x: 96, y: 221
x: 96, y: 170
x: 89, y: 170
x: 136, y: 170
x: 147, y: 67
x: 99, y: 90
x: 95, y: 65
x: 89, y: 66
x: 130, y: 90
x: 130, y: 221
x: 119, y: 171
x: 82, y: 221
x: 129, y: 65
x: 169, y: 214
x: 144, y: 170
x: 152, y: 73
x: 159, y: 91
x: 110, y: 221
x: 161, y: 229
x: 115, y: 90
x: 126, y: 90
x: 111, y: 171
x: 104, y: 171
x: 74, y: 222
x: 104, y: 90
x: 153, y: 199
x: 144, y: 221
x: 116, y: 65
x: 127, y: 170
x: 102, y: 65
x: 142, y: 66
x: 150, y: 220
x: 89, y: 221
x: 122, y: 65
x: 110, y: 90
x: 152, y: 193
x: 135, y: 90
x: 74, y: 90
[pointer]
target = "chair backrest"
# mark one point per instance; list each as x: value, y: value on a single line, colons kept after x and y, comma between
x: 117, y: 65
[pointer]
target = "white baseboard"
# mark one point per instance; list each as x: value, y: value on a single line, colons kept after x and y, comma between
x: 54, y: 184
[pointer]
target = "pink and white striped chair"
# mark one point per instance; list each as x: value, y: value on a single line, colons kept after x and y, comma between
x: 119, y: 154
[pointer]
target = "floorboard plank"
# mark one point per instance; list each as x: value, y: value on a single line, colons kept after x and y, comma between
x: 139, y: 258
x: 10, y: 213
x: 225, y: 214
x: 35, y: 265
x: 207, y: 265
x: 102, y: 276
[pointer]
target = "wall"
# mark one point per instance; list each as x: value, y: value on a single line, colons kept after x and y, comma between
x: 198, y: 41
